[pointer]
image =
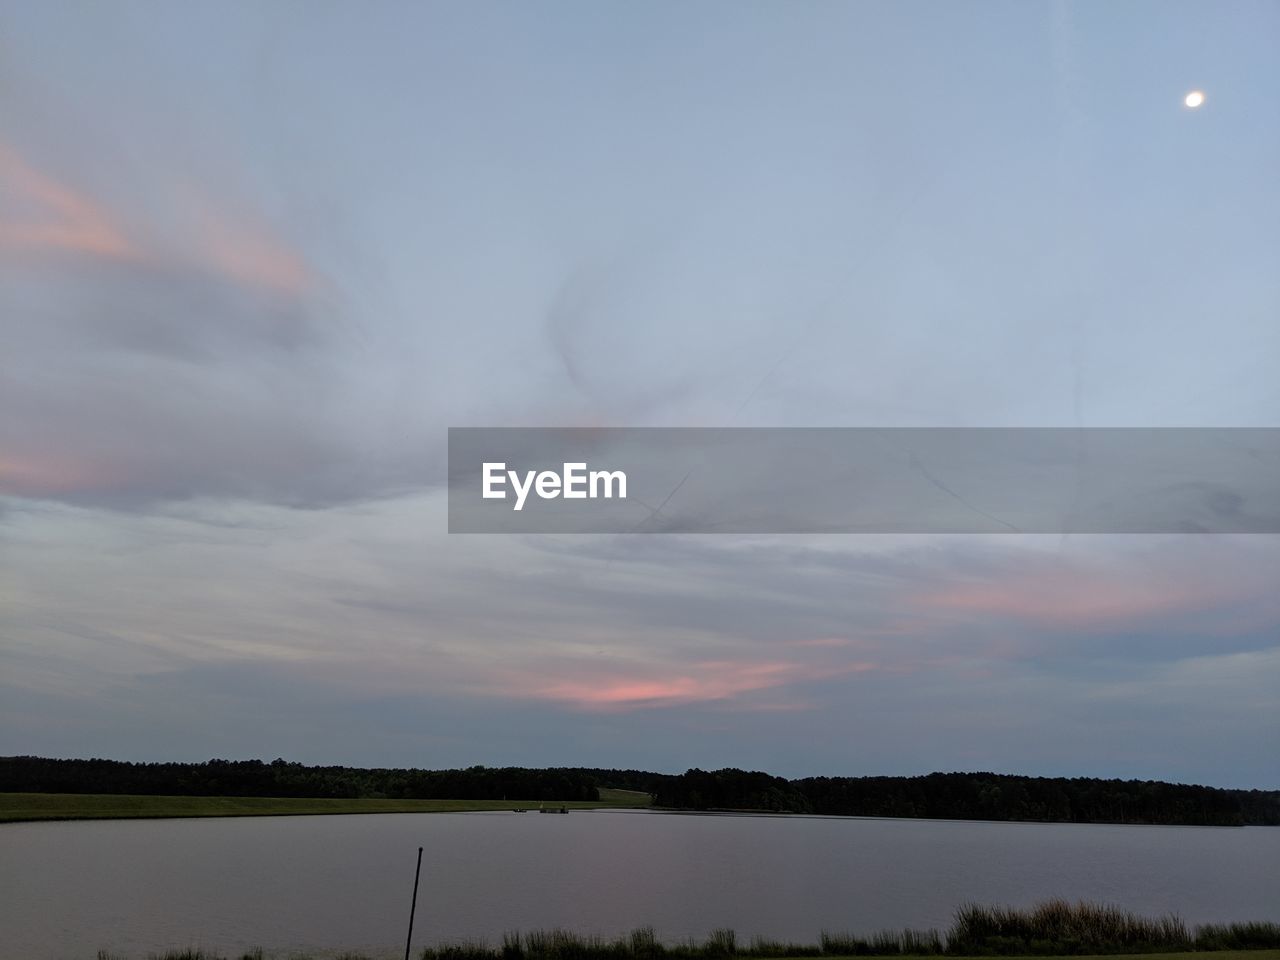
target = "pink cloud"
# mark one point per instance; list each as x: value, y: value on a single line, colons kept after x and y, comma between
x: 49, y: 476
x: 646, y: 686
x: 250, y: 255
x: 61, y: 218
x: 52, y: 216
x: 1073, y: 598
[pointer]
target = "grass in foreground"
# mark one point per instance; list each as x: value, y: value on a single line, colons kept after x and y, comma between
x: 259, y: 955
x: 104, y: 806
x: 1052, y: 929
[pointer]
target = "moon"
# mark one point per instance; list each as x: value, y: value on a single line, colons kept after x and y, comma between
x: 1194, y: 99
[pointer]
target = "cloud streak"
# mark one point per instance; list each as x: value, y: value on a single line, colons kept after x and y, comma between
x: 59, y: 219
x: 200, y: 357
x: 585, y: 687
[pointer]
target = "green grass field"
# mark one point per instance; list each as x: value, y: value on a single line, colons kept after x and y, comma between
x: 97, y: 806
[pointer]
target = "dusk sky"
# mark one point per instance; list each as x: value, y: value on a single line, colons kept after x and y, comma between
x: 256, y: 259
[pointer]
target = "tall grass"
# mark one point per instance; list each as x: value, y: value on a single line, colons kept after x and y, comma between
x: 1238, y: 936
x: 887, y: 943
x: 1056, y: 928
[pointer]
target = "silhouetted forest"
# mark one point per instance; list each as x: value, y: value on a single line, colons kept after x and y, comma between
x: 253, y: 778
x: 957, y: 796
x: 974, y: 796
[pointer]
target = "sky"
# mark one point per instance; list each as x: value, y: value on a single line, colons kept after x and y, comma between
x: 256, y: 259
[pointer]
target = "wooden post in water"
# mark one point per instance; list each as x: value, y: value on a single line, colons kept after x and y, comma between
x: 414, y: 905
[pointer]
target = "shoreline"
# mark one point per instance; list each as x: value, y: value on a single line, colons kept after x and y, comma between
x: 65, y: 807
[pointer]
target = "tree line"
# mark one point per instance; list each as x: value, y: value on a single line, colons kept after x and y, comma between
x: 955, y: 796
x: 254, y: 778
x: 974, y: 796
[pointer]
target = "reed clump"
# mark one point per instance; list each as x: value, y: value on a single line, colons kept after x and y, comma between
x: 887, y: 943
x: 1057, y: 927
x: 1238, y: 936
x: 1060, y: 928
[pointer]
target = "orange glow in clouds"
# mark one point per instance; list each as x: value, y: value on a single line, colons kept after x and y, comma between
x: 252, y: 257
x: 75, y: 223
x: 1071, y: 598
x: 693, y: 683
x: 66, y: 220
x: 31, y: 477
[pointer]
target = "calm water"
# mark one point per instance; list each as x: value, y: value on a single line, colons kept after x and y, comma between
x: 68, y: 889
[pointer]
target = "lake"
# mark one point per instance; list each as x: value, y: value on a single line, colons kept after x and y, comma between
x: 344, y: 882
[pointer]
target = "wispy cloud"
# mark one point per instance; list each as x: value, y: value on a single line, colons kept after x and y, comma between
x: 49, y: 215
x: 170, y: 354
x: 1104, y: 596
x: 649, y: 686
x: 1069, y: 597
x: 46, y: 214
x: 250, y: 255
x: 53, y: 475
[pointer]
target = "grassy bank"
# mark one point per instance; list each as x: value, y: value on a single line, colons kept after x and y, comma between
x: 101, y: 806
x: 1052, y: 929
